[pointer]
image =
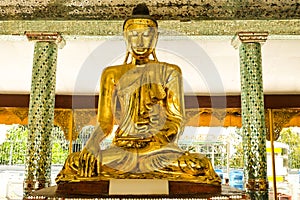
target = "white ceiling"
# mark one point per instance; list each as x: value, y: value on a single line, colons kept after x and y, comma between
x: 210, y: 65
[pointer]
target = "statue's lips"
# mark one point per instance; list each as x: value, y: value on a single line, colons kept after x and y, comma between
x: 141, y: 49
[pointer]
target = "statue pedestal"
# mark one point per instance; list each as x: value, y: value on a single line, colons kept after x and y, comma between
x: 100, y: 189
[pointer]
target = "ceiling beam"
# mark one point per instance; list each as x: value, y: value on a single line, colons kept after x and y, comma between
x: 85, y: 101
x: 163, y: 10
x: 95, y: 28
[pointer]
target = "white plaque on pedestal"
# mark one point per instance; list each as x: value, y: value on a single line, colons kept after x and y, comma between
x: 138, y: 187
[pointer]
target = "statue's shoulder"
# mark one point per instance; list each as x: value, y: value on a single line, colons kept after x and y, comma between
x: 172, y: 66
x: 116, y: 69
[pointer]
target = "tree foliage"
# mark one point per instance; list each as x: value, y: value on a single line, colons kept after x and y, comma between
x: 236, y: 159
x: 287, y: 136
x: 60, y: 148
x: 14, y: 149
x: 291, y: 138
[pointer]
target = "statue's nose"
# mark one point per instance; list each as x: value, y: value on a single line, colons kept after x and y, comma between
x: 140, y: 41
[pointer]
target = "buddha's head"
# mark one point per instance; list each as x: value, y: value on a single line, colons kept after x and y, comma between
x: 140, y: 32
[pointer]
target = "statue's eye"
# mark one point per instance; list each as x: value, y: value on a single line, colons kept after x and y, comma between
x: 146, y: 34
x: 134, y: 33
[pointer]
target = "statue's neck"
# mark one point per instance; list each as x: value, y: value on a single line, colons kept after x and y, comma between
x: 140, y: 61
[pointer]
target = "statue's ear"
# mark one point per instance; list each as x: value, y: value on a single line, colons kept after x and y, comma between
x: 156, y: 39
x: 126, y: 57
x: 154, y: 55
x: 156, y: 35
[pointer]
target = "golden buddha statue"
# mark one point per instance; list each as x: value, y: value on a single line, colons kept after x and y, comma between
x: 152, y: 118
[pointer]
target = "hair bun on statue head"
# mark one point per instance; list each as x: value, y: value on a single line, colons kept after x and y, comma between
x: 141, y: 9
x: 140, y: 15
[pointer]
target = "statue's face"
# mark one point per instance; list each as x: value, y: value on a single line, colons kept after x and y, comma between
x: 141, y: 40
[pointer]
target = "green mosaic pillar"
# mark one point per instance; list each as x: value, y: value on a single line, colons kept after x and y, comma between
x: 41, y: 111
x: 253, y: 114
